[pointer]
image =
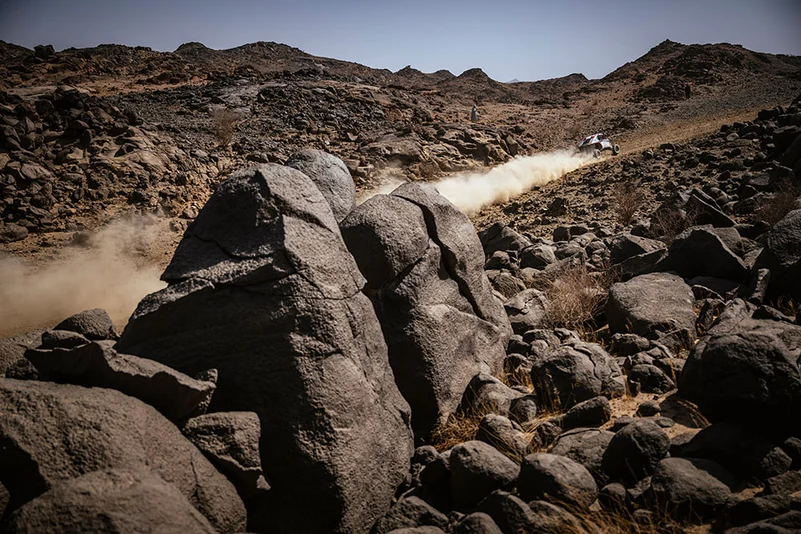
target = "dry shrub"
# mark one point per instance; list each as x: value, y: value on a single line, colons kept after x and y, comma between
x: 773, y: 208
x: 575, y: 297
x: 666, y: 224
x: 225, y: 122
x: 615, y: 522
x: 627, y: 199
x: 461, y: 426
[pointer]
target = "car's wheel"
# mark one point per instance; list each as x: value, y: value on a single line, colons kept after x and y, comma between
x: 596, y: 153
x: 615, y: 149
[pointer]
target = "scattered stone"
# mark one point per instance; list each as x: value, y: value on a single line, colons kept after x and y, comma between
x: 634, y: 451
x: 556, y: 479
x: 92, y: 324
x: 692, y: 489
x: 410, y: 512
x: 577, y: 372
x: 590, y: 413
x: 502, y: 434
x: 585, y: 446
x: 478, y: 469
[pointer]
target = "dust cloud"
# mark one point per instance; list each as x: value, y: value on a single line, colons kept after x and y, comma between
x: 470, y: 192
x: 113, y: 270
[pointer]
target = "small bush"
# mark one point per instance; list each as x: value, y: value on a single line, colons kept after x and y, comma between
x: 773, y: 208
x: 666, y: 224
x: 225, y: 122
x: 575, y: 297
x: 627, y: 199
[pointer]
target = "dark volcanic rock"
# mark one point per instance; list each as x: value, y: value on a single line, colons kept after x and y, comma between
x: 410, y: 512
x: 691, y: 488
x: 478, y: 469
x: 263, y: 289
x: 331, y: 177
x: 97, y: 364
x: 111, y: 501
x: 53, y: 432
x: 230, y: 440
x: 557, y: 479
x: 576, y: 372
x: 657, y: 306
x: 590, y: 413
x: 699, y: 251
x: 750, y: 377
x: 513, y: 515
x: 634, y: 451
x: 587, y: 447
x: 92, y: 324
x: 782, y: 256
x: 441, y: 321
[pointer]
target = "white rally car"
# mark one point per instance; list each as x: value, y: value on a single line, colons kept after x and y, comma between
x: 597, y: 143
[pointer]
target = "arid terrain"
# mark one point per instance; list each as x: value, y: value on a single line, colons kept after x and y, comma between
x: 234, y: 262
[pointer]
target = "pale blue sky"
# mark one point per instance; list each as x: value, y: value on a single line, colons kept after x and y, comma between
x: 528, y: 40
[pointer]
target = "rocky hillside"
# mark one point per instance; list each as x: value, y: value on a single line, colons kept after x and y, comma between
x: 89, y: 133
x: 314, y: 365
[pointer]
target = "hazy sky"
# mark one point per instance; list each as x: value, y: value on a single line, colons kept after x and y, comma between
x: 528, y: 40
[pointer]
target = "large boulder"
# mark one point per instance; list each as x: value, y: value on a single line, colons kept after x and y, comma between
x: 747, y: 454
x: 263, y: 289
x: 782, y: 255
x: 331, y: 176
x: 113, y: 501
x: 441, y: 321
x: 657, y: 306
x: 691, y: 488
x: 699, y: 251
x: 51, y: 433
x: 174, y: 394
x: 575, y: 372
x: 750, y: 376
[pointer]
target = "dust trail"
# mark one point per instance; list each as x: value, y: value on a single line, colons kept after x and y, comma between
x: 471, y: 192
x: 111, y: 271
x: 385, y: 182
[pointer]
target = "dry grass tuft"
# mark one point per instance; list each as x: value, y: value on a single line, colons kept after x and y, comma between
x: 666, y: 224
x: 575, y: 297
x: 627, y: 200
x: 225, y: 121
x: 461, y: 426
x: 775, y: 207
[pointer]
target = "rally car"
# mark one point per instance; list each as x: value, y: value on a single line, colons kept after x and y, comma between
x: 597, y: 143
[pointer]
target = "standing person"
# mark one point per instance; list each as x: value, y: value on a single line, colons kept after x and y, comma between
x: 474, y: 114
x: 687, y: 91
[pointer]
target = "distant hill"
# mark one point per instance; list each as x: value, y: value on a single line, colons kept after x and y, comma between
x: 660, y: 74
